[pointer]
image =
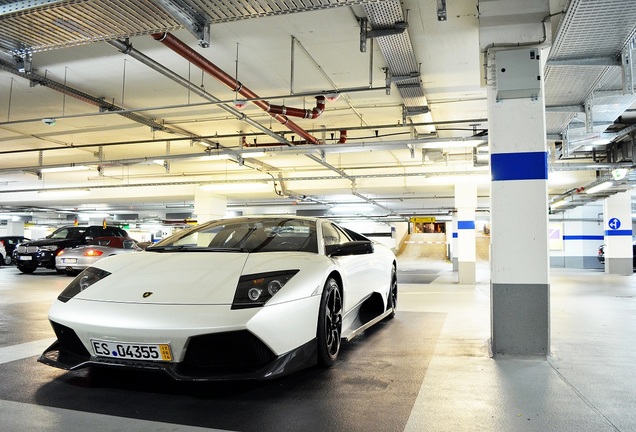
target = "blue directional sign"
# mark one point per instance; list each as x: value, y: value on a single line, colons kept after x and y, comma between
x: 614, y: 223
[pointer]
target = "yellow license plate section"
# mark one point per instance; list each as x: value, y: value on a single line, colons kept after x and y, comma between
x: 166, y: 355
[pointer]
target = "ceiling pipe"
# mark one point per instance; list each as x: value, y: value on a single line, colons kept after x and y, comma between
x: 127, y: 48
x: 276, y: 111
x: 341, y: 140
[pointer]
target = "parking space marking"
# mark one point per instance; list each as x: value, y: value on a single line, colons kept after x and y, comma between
x: 25, y: 350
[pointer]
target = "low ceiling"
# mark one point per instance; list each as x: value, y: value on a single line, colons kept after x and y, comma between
x: 146, y: 128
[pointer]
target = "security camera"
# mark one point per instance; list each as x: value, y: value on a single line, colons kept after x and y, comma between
x: 49, y: 121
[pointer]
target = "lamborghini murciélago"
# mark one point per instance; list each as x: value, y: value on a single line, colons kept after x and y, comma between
x: 237, y: 298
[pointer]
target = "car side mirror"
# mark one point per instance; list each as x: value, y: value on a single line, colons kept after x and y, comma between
x: 360, y: 247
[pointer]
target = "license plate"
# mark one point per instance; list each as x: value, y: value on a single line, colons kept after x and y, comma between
x: 25, y: 257
x: 157, y: 352
x: 69, y: 260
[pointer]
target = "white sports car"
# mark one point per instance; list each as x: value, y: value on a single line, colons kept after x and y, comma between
x: 240, y: 298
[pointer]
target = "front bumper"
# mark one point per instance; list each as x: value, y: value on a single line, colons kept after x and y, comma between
x: 214, y: 357
x: 208, y: 342
x: 38, y: 259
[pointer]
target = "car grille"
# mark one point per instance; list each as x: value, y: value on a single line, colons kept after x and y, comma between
x: 219, y: 353
x: 69, y: 342
x: 27, y: 249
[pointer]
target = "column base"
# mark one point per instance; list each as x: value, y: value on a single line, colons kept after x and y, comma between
x: 520, y: 319
x: 619, y: 266
x: 467, y: 272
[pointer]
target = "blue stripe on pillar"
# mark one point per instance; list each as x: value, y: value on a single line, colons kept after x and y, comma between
x: 465, y: 224
x: 583, y: 237
x: 618, y: 232
x: 519, y: 166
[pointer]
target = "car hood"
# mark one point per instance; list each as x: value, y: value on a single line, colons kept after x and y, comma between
x: 48, y: 242
x: 168, y: 278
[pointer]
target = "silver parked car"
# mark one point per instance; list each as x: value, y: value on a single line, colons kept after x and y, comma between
x: 74, y: 260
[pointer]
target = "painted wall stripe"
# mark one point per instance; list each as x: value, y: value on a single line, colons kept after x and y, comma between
x: 583, y: 237
x: 618, y: 232
x: 519, y: 166
x: 465, y: 225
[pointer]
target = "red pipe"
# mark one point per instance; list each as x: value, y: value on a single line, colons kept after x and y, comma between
x: 343, y: 136
x: 278, y: 112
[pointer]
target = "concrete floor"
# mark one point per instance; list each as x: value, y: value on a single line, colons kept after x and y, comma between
x: 586, y: 384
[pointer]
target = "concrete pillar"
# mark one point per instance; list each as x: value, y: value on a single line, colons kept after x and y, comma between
x: 617, y: 219
x: 208, y: 206
x: 454, y: 241
x: 15, y: 228
x: 519, y: 205
x: 466, y: 202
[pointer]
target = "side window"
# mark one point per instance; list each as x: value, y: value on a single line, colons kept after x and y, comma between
x: 332, y: 235
x: 92, y: 232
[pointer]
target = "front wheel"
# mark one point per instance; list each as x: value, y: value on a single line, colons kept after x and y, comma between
x: 26, y: 270
x: 7, y: 260
x: 329, y: 324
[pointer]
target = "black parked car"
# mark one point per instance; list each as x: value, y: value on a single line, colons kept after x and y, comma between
x: 601, y: 254
x: 10, y: 242
x: 41, y: 253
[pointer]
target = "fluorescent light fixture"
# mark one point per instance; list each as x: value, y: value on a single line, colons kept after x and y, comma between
x: 217, y: 157
x: 89, y: 215
x: 63, y: 193
x: 600, y: 187
x: 558, y: 204
x: 254, y: 154
x: 352, y: 208
x: 235, y: 187
x: 71, y: 167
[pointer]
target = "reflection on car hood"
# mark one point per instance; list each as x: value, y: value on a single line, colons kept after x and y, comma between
x: 47, y: 242
x: 170, y: 278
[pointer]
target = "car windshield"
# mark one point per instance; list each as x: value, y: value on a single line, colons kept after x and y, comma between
x: 244, y: 235
x: 67, y: 233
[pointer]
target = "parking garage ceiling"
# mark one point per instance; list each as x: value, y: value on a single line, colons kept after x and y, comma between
x: 375, y: 107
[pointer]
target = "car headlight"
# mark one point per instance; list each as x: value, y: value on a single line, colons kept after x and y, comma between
x: 83, y: 280
x: 256, y: 289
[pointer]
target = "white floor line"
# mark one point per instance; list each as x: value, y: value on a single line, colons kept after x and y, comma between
x: 19, y: 417
x: 25, y: 350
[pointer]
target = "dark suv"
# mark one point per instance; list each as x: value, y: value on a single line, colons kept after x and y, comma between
x: 41, y: 253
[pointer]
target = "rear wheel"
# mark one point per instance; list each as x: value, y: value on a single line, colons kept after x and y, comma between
x: 329, y: 323
x: 7, y: 260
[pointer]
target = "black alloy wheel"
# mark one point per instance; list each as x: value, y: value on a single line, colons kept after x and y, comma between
x: 329, y: 324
